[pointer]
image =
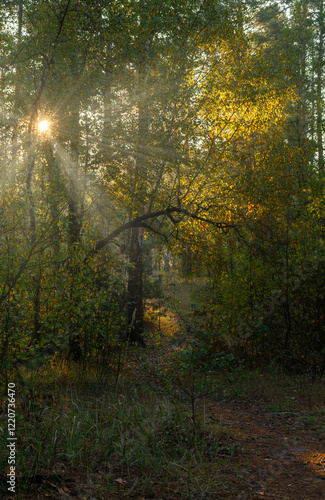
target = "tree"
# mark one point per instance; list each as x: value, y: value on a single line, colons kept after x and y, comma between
x: 182, y: 119
x: 261, y: 186
x: 144, y: 169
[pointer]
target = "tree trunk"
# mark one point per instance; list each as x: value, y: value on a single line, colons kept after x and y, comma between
x: 55, y: 187
x: 17, y: 96
x: 75, y: 224
x: 319, y: 76
x: 135, y: 311
x: 135, y: 308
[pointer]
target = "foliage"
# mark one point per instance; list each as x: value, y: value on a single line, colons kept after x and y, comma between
x: 81, y: 424
x: 199, y: 124
x: 180, y: 129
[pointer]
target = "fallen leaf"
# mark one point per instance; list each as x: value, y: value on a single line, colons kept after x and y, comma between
x: 121, y: 481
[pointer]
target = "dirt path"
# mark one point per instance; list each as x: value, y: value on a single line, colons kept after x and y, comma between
x: 284, y: 459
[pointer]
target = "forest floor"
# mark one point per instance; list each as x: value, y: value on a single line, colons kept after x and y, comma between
x: 268, y: 449
x: 284, y: 460
x: 282, y: 450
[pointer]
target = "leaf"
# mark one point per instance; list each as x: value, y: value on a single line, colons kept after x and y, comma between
x: 121, y: 481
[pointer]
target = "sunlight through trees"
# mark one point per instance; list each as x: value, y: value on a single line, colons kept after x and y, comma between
x: 197, y: 126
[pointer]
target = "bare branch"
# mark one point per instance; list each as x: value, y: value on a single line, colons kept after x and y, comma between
x: 141, y: 219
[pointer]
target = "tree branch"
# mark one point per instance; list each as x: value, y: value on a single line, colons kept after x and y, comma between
x: 140, y: 222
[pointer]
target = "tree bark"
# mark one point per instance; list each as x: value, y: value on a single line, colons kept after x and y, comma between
x: 135, y: 309
x: 319, y: 77
x: 17, y: 96
x: 55, y: 187
x: 135, y: 312
x: 75, y: 223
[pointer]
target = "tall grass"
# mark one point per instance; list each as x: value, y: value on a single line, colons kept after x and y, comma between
x: 139, y: 441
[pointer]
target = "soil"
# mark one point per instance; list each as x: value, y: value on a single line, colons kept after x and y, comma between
x: 285, y: 459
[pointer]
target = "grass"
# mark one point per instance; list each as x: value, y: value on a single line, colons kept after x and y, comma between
x: 88, y: 436
x: 296, y: 394
x: 133, y: 441
x: 280, y: 392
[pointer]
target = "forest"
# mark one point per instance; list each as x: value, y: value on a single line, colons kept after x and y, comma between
x: 162, y: 248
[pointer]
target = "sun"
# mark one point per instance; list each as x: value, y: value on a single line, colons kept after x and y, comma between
x: 43, y: 126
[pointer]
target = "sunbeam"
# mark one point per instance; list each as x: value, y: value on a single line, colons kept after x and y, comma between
x: 87, y: 191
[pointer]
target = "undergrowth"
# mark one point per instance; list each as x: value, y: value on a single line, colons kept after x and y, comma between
x: 137, y: 441
x: 283, y: 393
